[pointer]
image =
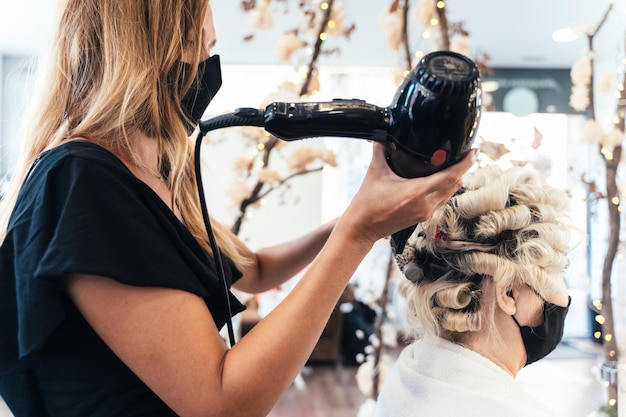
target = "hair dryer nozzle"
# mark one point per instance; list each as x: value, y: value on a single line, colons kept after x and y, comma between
x: 434, y: 115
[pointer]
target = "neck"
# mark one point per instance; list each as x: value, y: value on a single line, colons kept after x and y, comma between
x: 505, y: 347
x: 143, y: 155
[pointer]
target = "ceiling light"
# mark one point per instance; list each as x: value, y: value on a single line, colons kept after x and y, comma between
x: 564, y: 35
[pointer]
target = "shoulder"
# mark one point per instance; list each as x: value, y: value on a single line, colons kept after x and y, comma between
x: 77, y: 157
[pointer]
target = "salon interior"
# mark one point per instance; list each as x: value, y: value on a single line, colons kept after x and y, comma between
x: 530, y: 55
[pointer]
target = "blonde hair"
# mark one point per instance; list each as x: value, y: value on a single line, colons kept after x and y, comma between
x: 506, y: 226
x: 115, y: 67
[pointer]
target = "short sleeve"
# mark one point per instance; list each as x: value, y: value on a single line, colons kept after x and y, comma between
x: 91, y: 216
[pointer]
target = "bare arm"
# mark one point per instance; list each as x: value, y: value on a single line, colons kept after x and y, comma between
x: 272, y: 266
x: 167, y: 337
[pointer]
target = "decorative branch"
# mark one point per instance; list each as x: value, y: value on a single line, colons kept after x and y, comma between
x: 611, y: 154
x: 257, y: 195
x: 380, y: 320
x: 289, y: 44
x: 443, y: 24
x: 405, y: 35
x: 318, y: 48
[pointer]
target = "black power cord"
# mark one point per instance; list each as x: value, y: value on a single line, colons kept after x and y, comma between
x: 240, y: 117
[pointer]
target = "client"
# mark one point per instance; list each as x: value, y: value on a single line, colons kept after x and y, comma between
x: 485, y: 295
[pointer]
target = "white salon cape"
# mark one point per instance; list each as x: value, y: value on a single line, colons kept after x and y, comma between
x: 434, y: 377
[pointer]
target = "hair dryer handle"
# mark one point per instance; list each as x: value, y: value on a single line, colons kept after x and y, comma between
x: 339, y: 118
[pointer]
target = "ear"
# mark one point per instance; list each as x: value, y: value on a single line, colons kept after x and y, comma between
x: 507, y: 300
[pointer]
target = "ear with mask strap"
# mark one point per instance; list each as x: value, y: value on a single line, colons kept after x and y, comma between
x: 204, y: 88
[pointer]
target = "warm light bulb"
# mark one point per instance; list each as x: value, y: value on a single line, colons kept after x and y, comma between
x: 441, y: 4
x: 261, y: 146
x: 608, y: 337
x: 332, y: 24
x: 597, y: 335
x: 324, y: 6
x: 615, y: 200
x: 426, y: 35
x: 434, y: 21
x: 600, y: 319
x: 323, y: 36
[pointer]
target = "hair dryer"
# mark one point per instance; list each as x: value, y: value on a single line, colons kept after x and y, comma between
x: 430, y: 124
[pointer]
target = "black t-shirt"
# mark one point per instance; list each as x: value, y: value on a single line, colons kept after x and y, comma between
x: 82, y: 211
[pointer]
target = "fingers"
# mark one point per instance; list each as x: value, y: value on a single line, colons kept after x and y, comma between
x: 453, y: 175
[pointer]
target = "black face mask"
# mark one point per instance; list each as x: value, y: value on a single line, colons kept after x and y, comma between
x: 541, y: 340
x: 202, y: 91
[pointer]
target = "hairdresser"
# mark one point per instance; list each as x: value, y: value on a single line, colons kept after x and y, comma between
x: 110, y: 304
x: 485, y: 296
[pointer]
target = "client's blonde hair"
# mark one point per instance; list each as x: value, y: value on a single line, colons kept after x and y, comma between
x: 507, y: 226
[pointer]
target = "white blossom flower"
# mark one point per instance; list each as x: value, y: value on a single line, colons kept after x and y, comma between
x: 303, y: 156
x: 268, y: 176
x: 389, y: 335
x: 367, y: 409
x: 260, y: 18
x: 392, y: 27
x: 461, y: 44
x: 424, y: 12
x: 238, y: 192
x: 365, y: 378
x: 327, y: 156
x: 581, y: 72
x: 365, y: 375
x: 579, y: 99
x: 286, y: 46
x: 336, y: 23
x: 615, y: 138
x: 593, y: 132
x: 242, y: 163
x: 300, y: 158
x: 606, y: 83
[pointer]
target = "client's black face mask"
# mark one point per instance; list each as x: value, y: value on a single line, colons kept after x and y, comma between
x: 202, y: 91
x: 541, y: 340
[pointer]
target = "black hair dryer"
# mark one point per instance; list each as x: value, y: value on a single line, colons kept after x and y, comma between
x: 430, y: 125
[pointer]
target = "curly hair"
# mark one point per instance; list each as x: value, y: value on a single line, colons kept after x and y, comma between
x: 508, y: 226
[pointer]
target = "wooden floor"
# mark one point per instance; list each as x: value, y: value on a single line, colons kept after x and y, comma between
x: 331, y: 391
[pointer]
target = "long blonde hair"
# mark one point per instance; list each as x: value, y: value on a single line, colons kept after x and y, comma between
x: 115, y: 67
